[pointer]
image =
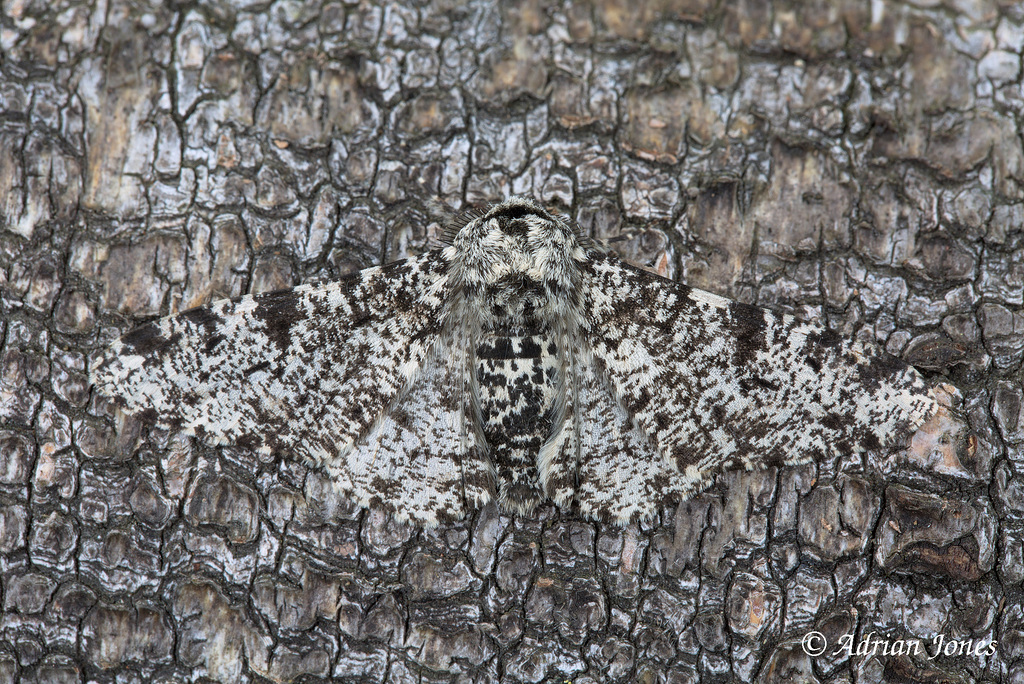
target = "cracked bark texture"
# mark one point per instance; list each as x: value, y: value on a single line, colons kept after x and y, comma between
x: 858, y: 162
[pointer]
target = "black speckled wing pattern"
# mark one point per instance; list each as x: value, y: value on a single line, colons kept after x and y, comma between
x: 518, y: 362
x: 358, y: 376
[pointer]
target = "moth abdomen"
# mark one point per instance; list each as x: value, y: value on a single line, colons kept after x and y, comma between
x: 516, y: 379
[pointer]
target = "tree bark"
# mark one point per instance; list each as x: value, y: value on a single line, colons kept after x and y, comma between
x: 860, y: 163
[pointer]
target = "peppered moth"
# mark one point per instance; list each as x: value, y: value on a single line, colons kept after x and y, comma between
x: 518, y: 362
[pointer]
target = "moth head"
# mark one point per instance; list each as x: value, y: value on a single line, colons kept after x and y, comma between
x: 517, y: 246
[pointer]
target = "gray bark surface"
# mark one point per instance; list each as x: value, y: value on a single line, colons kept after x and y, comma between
x: 857, y: 162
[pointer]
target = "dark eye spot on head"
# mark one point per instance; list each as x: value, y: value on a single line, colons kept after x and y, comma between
x: 515, y: 211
